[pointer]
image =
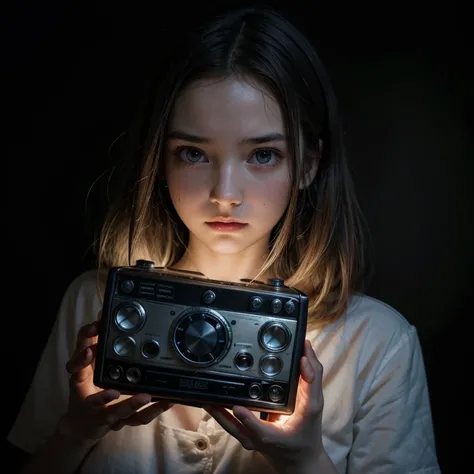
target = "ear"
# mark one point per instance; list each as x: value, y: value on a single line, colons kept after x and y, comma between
x: 311, y: 173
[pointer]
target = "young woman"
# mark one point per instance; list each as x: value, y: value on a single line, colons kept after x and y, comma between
x: 238, y: 171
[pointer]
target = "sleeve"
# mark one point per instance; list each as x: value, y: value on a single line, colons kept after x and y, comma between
x: 47, y: 397
x: 393, y: 430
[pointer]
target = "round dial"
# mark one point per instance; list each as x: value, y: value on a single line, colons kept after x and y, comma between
x: 124, y: 346
x: 271, y: 365
x: 201, y: 337
x: 130, y: 317
x: 274, y: 336
x: 243, y: 361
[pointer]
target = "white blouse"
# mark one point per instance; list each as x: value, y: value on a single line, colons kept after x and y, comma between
x: 376, y: 420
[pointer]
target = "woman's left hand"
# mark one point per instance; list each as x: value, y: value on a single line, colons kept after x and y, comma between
x: 288, y: 441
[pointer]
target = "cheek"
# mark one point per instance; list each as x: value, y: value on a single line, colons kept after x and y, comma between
x: 183, y: 187
x: 273, y: 196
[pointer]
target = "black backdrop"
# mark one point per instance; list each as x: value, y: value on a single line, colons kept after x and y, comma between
x: 73, y: 75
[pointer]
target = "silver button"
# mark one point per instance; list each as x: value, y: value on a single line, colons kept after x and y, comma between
x: 133, y: 374
x: 115, y: 372
x: 124, y: 346
x: 130, y: 317
x: 271, y: 365
x: 209, y: 297
x: 127, y: 286
x: 255, y: 303
x: 255, y: 391
x: 276, y: 393
x: 276, y: 306
x: 290, y: 306
x: 244, y: 361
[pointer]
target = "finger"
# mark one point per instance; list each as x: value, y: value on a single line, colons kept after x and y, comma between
x: 306, y: 371
x: 314, y: 362
x: 86, y: 336
x: 311, y: 368
x: 233, y: 426
x: 125, y: 408
x: 311, y: 354
x: 262, y: 430
x: 78, y: 366
x: 101, y: 399
x: 144, y: 416
x: 311, y: 381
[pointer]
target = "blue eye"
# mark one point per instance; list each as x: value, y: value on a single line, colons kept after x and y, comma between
x: 265, y: 157
x: 190, y: 155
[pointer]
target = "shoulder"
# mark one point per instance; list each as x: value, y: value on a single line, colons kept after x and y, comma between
x: 370, y: 333
x: 82, y: 300
x: 381, y: 328
x: 85, y: 287
x: 374, y: 383
x: 376, y: 316
x: 369, y: 316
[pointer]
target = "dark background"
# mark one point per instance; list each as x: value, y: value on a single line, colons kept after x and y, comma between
x: 72, y: 76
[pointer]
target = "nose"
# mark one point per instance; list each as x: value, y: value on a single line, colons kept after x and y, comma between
x: 227, y: 186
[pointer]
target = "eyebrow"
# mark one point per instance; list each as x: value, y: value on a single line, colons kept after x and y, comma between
x: 269, y: 137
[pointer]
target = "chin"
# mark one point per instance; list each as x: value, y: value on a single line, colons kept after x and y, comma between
x: 232, y: 244
x: 226, y: 248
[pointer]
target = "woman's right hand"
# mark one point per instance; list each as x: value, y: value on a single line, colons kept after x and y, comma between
x: 92, y: 411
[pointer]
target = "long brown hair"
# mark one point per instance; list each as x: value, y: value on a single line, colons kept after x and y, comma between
x: 319, y: 245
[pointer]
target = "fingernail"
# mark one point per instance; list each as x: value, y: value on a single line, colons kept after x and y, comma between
x: 138, y: 402
x: 114, y: 394
x: 309, y: 370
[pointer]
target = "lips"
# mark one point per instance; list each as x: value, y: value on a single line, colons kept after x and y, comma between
x: 229, y: 226
x: 226, y: 220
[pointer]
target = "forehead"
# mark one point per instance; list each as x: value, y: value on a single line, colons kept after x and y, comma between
x: 225, y: 108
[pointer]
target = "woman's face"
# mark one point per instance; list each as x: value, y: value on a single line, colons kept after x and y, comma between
x: 227, y: 159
